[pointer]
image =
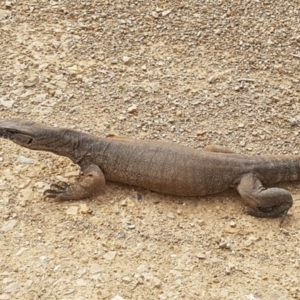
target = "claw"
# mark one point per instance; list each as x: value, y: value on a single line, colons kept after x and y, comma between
x: 59, y: 185
x: 56, y: 190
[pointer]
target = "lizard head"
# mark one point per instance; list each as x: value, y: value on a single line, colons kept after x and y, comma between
x: 22, y: 132
x: 31, y: 135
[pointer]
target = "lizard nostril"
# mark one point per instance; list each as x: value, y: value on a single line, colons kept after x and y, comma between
x: 29, y: 142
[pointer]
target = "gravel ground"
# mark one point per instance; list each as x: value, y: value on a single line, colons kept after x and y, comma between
x: 194, y: 72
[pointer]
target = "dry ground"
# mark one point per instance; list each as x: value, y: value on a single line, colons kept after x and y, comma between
x: 195, y: 72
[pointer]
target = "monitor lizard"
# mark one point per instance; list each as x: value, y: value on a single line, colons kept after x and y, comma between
x: 162, y: 167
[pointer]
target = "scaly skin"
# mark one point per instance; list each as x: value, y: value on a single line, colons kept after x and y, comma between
x: 160, y: 166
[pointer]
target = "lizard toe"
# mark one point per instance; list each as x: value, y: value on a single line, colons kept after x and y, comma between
x: 52, y: 193
x: 60, y: 186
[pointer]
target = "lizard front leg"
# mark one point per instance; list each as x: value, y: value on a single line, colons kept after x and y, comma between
x: 267, y: 202
x: 90, y: 183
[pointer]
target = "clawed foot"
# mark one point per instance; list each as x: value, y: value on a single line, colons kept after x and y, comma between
x: 280, y: 211
x: 57, y: 190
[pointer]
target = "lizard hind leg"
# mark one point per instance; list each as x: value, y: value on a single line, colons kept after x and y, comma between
x: 266, y: 202
x: 90, y: 183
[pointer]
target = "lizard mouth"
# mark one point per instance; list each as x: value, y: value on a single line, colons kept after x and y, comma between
x: 5, y: 134
x: 16, y: 136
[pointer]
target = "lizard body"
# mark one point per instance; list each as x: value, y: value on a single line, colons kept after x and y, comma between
x: 160, y: 166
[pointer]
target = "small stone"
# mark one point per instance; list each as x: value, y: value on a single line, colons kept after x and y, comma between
x: 95, y: 220
x: 232, y: 224
x: 72, y: 210
x: 21, y: 251
x: 156, y: 282
x: 201, y: 222
x: 9, y: 225
x: 44, y: 258
x: 84, y: 208
x: 81, y: 282
x: 69, y: 291
x: 166, y: 12
x: 11, y: 288
x: 171, y: 215
x: 293, y: 122
x: 30, y: 82
x: 142, y: 269
x: 201, y: 255
x: 144, y: 68
x: 56, y: 44
x: 110, y: 255
x: 127, y: 60
x: 224, y: 245
x: 155, y: 14
x: 25, y: 160
x: 4, y: 14
x: 126, y: 279
x: 6, y: 103
x: 73, y: 70
x: 200, y: 132
x: 24, y: 196
x: 124, y: 202
x: 248, y: 243
x: 132, y: 109
x: 242, y: 143
x: 241, y: 125
x: 95, y: 269
x: 117, y: 297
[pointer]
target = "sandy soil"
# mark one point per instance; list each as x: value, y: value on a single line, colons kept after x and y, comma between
x: 194, y: 72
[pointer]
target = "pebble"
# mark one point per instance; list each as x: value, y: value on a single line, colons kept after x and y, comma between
x: 110, y: 255
x: 126, y: 279
x: 9, y: 225
x: 72, y: 210
x: 156, y: 282
x: 201, y: 255
x: 6, y: 103
x: 21, y: 251
x: 25, y: 160
x: 81, y: 282
x: 7, y: 4
x: 24, y: 196
x: 56, y: 43
x: 11, y: 288
x: 31, y: 82
x: 142, y: 269
x: 166, y: 12
x: 69, y: 291
x: 117, y: 297
x: 84, y: 208
x: 4, y: 14
x: 171, y: 215
x: 127, y: 60
x: 293, y: 122
x: 232, y: 224
x: 95, y: 269
x: 132, y: 109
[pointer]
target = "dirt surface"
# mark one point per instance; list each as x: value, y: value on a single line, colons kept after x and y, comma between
x: 194, y: 72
